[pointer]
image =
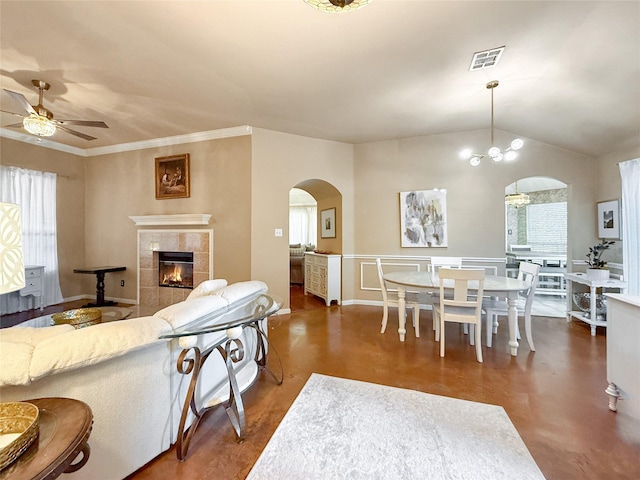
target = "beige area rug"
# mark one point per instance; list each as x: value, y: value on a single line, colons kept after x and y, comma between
x: 346, y: 429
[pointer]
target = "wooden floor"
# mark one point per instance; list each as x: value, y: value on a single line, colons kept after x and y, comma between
x: 554, y: 397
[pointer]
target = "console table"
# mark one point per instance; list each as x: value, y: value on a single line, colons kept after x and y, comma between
x: 99, y: 273
x: 245, y: 314
x: 591, y: 318
x: 65, y: 425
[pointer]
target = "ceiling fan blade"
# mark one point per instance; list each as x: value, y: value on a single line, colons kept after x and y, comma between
x: 14, y: 125
x: 73, y: 132
x: 12, y: 113
x: 22, y: 101
x: 83, y: 123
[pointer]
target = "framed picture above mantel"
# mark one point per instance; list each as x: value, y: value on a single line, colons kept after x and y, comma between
x: 609, y: 219
x: 173, y: 177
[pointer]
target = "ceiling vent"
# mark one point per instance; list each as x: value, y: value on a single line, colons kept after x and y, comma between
x: 486, y: 59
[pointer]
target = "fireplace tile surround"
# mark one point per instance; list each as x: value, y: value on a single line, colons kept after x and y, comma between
x: 198, y: 241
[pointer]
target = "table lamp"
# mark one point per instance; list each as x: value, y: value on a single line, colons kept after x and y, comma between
x: 11, y: 262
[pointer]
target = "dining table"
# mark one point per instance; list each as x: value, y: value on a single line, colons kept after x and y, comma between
x: 429, y: 281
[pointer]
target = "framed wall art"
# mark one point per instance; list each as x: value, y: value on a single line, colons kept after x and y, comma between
x: 328, y: 223
x: 423, y: 218
x: 609, y: 219
x: 172, y: 177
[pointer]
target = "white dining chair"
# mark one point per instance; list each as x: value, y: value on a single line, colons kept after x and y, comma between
x: 494, y: 308
x: 464, y: 306
x: 390, y: 299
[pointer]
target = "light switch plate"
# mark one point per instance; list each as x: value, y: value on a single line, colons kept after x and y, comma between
x: 278, y: 232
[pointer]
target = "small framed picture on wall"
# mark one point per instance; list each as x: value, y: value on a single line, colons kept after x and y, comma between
x: 328, y: 223
x: 609, y: 219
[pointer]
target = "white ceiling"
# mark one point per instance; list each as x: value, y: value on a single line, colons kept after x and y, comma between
x: 570, y: 74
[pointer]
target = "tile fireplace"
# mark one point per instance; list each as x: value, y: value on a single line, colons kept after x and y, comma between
x: 171, y: 263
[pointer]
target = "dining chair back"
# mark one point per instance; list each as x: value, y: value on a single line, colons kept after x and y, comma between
x: 493, y: 308
x: 463, y: 306
x: 435, y: 263
x: 390, y: 299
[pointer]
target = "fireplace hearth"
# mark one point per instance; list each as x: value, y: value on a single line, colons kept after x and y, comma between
x: 175, y: 269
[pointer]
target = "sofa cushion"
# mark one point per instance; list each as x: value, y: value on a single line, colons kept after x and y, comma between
x: 181, y: 313
x: 91, y: 345
x: 207, y: 288
x: 31, y: 335
x: 15, y: 358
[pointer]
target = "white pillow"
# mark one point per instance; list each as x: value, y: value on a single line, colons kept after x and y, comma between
x: 207, y: 288
x: 237, y: 291
x: 182, y: 313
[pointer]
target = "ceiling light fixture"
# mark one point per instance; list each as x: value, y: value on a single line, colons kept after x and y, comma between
x: 39, y: 125
x: 516, y: 200
x: 336, y: 6
x: 497, y: 155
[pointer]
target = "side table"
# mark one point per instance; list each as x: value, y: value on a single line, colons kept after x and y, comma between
x: 99, y: 273
x: 65, y: 426
x: 590, y: 319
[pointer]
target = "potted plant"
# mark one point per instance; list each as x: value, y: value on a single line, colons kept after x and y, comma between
x: 597, y: 267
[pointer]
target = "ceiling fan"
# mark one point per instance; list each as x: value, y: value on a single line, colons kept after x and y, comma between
x: 40, y: 121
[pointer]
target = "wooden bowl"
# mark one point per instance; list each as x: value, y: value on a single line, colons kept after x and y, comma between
x: 79, y: 317
x: 19, y: 427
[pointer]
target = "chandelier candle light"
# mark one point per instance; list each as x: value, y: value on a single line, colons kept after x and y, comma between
x: 494, y: 152
x: 516, y: 199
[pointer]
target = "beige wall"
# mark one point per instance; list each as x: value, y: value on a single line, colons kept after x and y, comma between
x: 281, y: 161
x: 244, y: 183
x: 120, y: 185
x: 70, y: 203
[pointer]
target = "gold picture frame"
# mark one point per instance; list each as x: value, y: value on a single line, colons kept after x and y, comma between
x: 173, y: 177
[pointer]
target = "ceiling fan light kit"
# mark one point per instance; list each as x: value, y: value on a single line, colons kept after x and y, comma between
x: 40, y: 121
x: 495, y: 153
x: 337, y: 6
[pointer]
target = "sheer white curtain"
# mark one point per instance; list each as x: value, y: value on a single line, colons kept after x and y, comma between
x: 302, y: 225
x: 35, y: 192
x: 630, y: 175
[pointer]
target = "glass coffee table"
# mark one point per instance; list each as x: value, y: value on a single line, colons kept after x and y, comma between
x: 247, y: 314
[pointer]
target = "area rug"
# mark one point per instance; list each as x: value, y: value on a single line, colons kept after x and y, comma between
x: 346, y: 429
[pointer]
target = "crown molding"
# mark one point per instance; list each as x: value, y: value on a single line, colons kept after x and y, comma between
x: 171, y: 220
x: 128, y: 147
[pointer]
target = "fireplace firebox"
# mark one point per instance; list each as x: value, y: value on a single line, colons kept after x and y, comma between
x: 175, y: 269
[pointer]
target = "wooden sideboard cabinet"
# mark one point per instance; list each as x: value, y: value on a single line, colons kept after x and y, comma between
x: 34, y: 283
x: 623, y: 353
x: 322, y: 276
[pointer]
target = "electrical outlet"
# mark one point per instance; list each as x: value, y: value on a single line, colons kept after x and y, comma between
x: 122, y: 283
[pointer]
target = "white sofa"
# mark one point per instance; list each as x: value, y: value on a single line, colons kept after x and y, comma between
x: 124, y: 372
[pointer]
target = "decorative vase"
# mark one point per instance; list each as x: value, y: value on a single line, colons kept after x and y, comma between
x: 597, y: 274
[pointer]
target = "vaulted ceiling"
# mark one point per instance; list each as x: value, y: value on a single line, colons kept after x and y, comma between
x: 569, y: 76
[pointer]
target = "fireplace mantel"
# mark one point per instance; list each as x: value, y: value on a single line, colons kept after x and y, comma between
x: 170, y: 220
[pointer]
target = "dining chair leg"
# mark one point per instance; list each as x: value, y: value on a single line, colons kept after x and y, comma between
x: 385, y: 316
x: 490, y: 322
x: 441, y: 332
x: 416, y: 319
x: 527, y: 330
x: 478, y: 335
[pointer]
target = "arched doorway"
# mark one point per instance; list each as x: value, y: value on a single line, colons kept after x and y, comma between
x: 327, y: 199
x: 537, y: 232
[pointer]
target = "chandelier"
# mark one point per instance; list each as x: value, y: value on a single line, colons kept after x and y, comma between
x: 497, y: 155
x: 336, y: 6
x: 39, y: 125
x: 516, y: 199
